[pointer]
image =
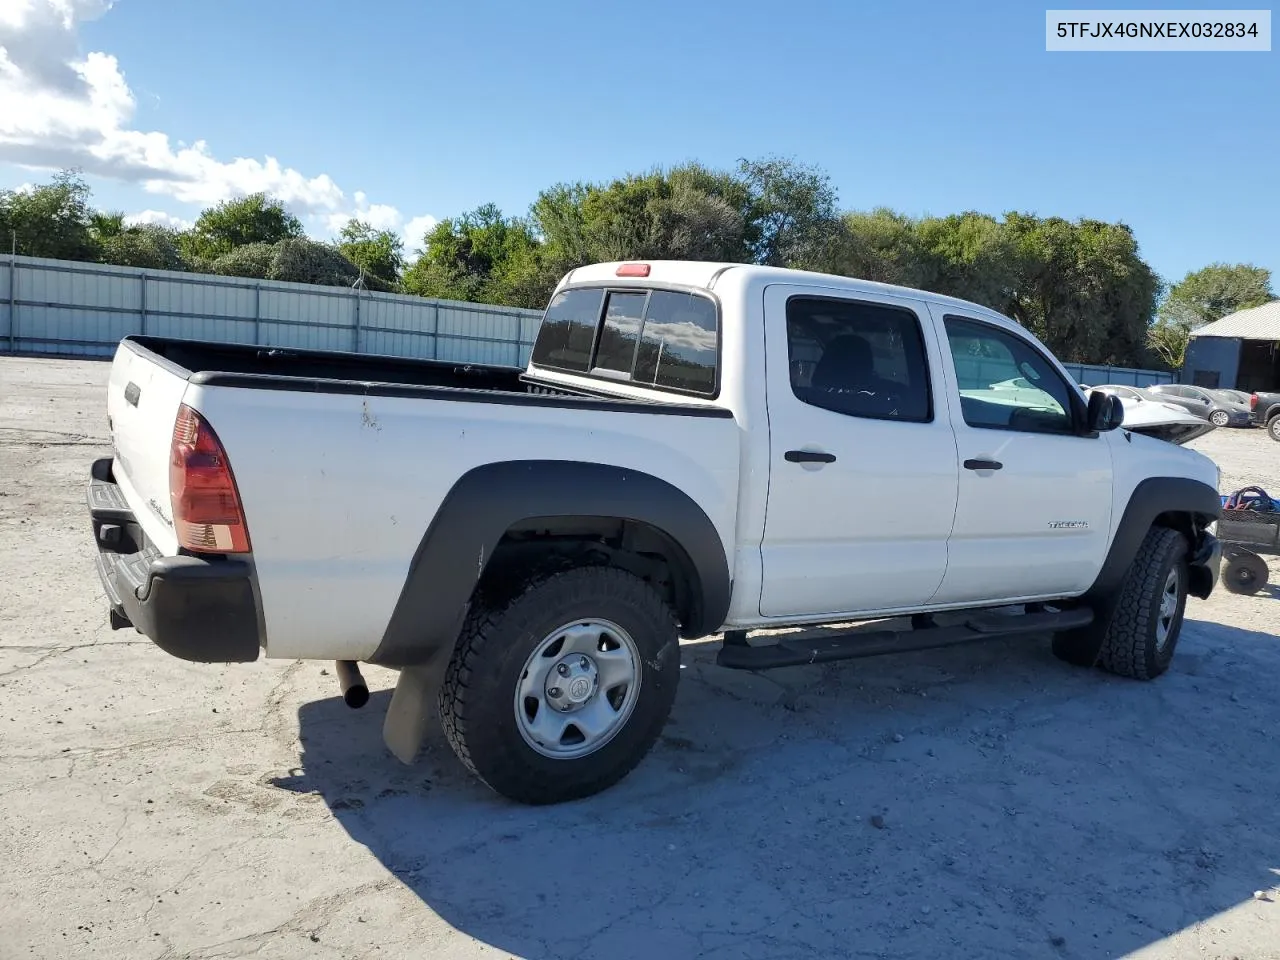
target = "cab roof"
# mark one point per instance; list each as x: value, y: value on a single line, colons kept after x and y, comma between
x: 708, y: 275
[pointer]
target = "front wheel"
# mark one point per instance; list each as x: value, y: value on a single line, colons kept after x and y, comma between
x: 1219, y: 418
x: 1143, y: 632
x: 1273, y: 427
x: 560, y: 692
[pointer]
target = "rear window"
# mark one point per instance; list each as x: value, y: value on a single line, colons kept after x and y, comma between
x: 568, y: 329
x: 661, y: 338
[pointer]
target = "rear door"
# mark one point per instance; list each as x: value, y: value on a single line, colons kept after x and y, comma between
x: 862, y: 470
x: 143, y: 396
x: 1034, y: 509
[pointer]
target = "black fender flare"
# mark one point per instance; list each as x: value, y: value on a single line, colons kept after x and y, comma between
x: 1152, y: 498
x: 489, y: 500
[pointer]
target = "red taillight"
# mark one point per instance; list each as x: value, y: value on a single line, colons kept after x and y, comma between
x: 206, y: 506
x: 633, y: 270
x: 1253, y: 401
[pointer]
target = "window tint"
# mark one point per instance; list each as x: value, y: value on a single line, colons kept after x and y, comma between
x: 568, y: 330
x: 678, y: 343
x: 1004, y: 382
x: 622, y: 318
x: 859, y: 359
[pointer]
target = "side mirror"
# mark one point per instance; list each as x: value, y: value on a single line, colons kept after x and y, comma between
x: 1106, y: 412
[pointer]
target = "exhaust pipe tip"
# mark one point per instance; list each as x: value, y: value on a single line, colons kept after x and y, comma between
x: 355, y: 692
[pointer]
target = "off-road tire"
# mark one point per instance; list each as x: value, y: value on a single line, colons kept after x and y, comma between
x: 1273, y: 428
x: 476, y: 696
x: 1129, y: 647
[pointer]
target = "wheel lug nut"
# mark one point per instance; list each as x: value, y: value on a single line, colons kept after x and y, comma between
x: 584, y: 663
x: 554, y: 692
x: 563, y: 669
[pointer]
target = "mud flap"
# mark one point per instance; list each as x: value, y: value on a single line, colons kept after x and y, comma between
x: 411, y: 711
x: 1082, y: 647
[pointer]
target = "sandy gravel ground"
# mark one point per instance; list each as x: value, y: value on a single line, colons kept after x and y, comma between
x: 982, y: 802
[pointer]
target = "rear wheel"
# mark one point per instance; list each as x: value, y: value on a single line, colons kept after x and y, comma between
x: 1143, y: 632
x: 1273, y: 427
x: 558, y: 693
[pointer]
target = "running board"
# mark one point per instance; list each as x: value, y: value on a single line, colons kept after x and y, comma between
x: 797, y: 651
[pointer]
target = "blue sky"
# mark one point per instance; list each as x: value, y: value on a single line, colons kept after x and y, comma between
x: 429, y: 109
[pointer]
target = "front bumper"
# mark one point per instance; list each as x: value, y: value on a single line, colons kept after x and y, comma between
x: 197, y: 609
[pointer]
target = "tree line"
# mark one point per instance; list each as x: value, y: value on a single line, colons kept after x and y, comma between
x: 1081, y: 286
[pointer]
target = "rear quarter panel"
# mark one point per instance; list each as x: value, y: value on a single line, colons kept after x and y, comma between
x: 339, y: 489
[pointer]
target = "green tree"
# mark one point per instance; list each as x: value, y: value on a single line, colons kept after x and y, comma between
x: 1082, y: 288
x: 480, y: 256
x: 301, y: 260
x: 1169, y: 335
x: 255, y: 218
x: 884, y: 246
x: 149, y: 245
x: 1215, y: 291
x: 104, y: 225
x: 52, y: 220
x: 790, y: 213
x: 380, y: 253
x: 251, y: 260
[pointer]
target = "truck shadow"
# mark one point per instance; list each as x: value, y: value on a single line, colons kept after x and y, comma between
x: 982, y: 801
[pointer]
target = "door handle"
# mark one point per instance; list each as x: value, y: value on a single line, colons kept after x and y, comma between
x: 983, y: 464
x: 809, y: 456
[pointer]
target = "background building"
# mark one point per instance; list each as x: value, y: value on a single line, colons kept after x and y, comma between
x: 1239, y: 352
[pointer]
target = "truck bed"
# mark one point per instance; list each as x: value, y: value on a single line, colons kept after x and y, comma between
x: 342, y: 462
x: 224, y: 364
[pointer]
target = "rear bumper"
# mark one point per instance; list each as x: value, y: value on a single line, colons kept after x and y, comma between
x: 200, y: 610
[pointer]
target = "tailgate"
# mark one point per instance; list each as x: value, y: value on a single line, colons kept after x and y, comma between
x: 143, y: 396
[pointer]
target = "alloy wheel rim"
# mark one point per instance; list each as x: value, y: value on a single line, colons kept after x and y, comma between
x: 1167, y: 617
x: 577, y: 689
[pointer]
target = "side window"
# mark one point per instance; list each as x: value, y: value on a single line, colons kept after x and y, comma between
x: 859, y: 359
x: 568, y: 330
x: 678, y: 343
x: 1005, y: 383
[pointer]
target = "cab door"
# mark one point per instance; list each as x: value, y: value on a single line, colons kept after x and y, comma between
x: 1033, y: 515
x: 862, y: 471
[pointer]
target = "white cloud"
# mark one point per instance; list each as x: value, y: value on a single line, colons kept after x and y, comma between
x: 157, y: 217
x: 62, y: 109
x: 415, y: 230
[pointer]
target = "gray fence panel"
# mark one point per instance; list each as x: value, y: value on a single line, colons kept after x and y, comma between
x: 6, y: 313
x: 84, y: 309
x: 1097, y: 375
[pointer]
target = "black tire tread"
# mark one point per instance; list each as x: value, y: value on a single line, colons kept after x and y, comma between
x: 1131, y: 630
x: 462, y: 714
x: 1273, y: 427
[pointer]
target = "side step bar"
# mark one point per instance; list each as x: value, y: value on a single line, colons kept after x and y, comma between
x: 795, y: 651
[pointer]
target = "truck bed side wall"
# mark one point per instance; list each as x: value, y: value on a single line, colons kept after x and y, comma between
x: 339, y: 489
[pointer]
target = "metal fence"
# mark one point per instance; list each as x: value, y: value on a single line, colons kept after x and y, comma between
x: 85, y: 309
x: 1099, y: 375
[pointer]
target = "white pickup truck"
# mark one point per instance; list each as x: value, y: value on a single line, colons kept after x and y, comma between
x: 693, y: 449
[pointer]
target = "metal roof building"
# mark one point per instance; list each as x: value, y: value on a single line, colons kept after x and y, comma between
x: 1241, y: 351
